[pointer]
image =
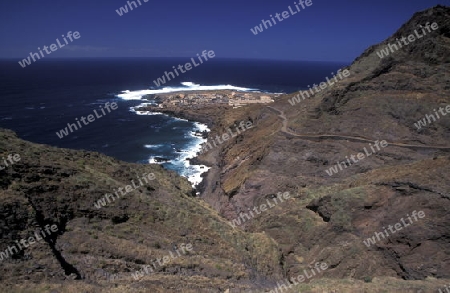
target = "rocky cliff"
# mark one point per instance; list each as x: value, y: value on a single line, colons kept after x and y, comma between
x: 329, y: 217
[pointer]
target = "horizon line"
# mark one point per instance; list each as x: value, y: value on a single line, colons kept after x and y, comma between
x: 178, y: 57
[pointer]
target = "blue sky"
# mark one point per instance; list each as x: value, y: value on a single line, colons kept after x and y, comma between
x: 328, y: 30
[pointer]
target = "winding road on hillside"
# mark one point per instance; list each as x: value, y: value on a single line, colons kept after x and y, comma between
x: 345, y: 137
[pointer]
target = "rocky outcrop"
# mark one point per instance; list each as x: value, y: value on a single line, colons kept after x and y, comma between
x: 51, y: 186
x: 329, y: 217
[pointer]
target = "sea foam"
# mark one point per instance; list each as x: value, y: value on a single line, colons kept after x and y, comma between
x: 186, y: 86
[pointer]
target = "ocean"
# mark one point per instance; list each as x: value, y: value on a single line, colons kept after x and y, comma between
x: 42, y: 98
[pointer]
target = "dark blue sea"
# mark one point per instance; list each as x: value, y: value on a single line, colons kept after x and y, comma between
x: 41, y: 99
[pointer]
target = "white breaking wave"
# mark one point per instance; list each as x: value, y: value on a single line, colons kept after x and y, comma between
x: 145, y: 112
x: 186, y: 86
x: 153, y: 146
x: 201, y: 127
x: 192, y: 172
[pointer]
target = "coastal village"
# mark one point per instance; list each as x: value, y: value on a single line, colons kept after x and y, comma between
x: 201, y: 98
